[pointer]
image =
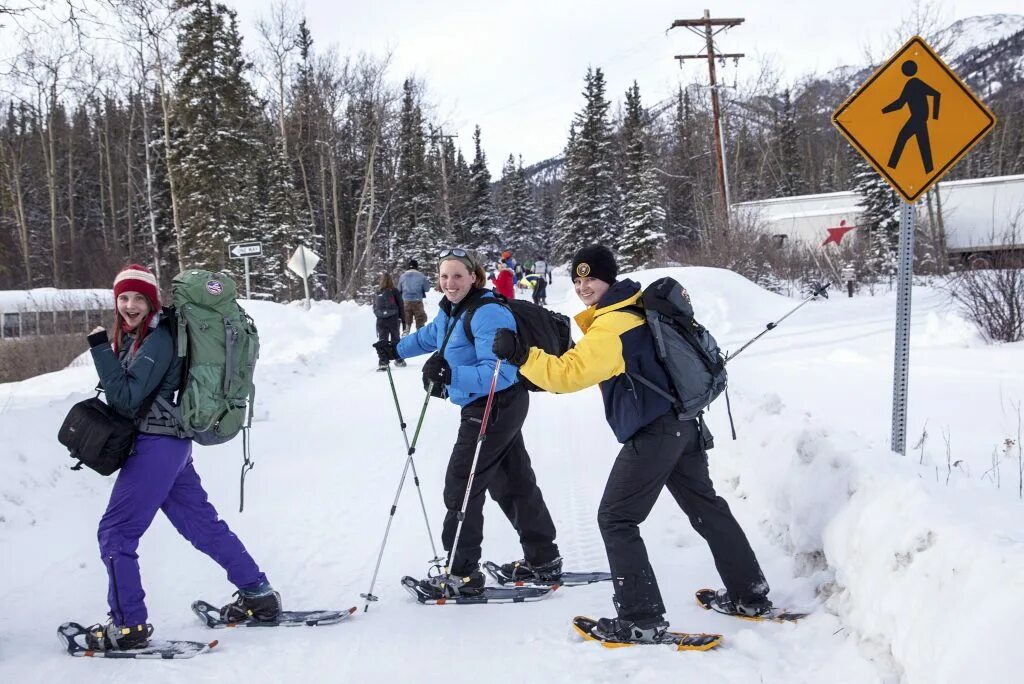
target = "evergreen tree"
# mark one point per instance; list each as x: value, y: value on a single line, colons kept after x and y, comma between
x: 790, y: 179
x: 415, y: 222
x: 283, y: 225
x: 643, y: 217
x: 218, y: 150
x: 482, y: 218
x: 589, y: 193
x: 880, y: 217
x: 682, y: 184
x: 519, y: 212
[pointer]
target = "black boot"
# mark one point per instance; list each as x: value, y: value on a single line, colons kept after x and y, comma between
x: 262, y: 604
x: 448, y: 585
x: 641, y: 631
x: 110, y: 637
x: 524, y: 571
x: 754, y: 606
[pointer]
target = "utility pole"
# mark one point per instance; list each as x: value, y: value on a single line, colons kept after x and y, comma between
x: 444, y: 178
x: 708, y: 28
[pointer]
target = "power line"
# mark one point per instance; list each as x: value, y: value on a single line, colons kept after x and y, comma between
x: 708, y: 28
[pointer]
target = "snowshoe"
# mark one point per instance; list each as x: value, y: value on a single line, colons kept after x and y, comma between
x: 211, y: 617
x: 76, y: 639
x: 618, y: 633
x: 519, y: 574
x: 720, y: 602
x: 425, y: 593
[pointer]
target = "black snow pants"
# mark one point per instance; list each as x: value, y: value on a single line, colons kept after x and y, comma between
x: 504, y: 470
x: 388, y: 329
x: 669, y: 452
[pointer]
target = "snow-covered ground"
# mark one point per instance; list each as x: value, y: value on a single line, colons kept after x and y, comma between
x: 914, y: 572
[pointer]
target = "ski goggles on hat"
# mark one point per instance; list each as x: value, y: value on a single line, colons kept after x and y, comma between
x: 459, y: 253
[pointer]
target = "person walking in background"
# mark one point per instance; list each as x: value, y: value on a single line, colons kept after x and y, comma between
x: 540, y: 289
x: 504, y: 282
x: 388, y: 308
x: 413, y: 287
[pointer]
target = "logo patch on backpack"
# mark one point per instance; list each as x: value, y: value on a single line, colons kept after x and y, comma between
x: 214, y: 287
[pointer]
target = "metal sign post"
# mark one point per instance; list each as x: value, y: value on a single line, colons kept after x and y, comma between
x: 913, y: 98
x: 901, y: 363
x: 246, y: 251
x: 302, y: 263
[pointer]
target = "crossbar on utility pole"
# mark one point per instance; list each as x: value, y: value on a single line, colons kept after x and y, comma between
x: 706, y: 23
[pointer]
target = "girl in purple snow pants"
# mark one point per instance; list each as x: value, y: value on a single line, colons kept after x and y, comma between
x: 160, y: 476
x: 140, y: 363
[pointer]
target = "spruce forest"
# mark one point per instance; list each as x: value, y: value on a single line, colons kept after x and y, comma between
x: 163, y: 137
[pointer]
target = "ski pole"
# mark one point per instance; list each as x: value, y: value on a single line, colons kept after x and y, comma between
x: 472, y: 470
x: 394, y: 505
x: 821, y: 290
x: 410, y: 450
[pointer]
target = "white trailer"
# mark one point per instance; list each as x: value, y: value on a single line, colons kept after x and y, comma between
x: 981, y: 216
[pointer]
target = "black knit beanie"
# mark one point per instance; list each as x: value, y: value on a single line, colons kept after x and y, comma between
x: 596, y: 261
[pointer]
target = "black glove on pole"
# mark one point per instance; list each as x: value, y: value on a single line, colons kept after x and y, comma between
x: 437, y: 370
x: 386, y: 350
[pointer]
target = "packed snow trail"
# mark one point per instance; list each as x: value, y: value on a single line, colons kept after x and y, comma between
x: 329, y: 453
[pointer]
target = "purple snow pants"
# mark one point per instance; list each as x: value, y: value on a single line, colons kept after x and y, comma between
x: 160, y: 476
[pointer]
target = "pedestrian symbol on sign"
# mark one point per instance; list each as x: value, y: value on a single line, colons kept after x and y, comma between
x: 915, y: 96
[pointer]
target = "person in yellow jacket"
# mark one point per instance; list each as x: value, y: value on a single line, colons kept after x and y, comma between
x: 658, y: 450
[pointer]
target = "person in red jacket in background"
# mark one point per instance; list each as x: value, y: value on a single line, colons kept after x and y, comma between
x: 504, y: 282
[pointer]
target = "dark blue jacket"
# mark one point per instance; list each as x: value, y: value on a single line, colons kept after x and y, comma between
x: 616, y: 341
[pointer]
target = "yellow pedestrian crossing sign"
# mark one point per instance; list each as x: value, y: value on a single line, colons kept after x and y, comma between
x: 913, y: 119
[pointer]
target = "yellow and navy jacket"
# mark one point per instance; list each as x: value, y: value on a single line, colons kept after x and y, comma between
x: 616, y: 344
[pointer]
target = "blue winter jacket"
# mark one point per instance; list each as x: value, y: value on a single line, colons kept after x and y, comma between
x: 413, y: 285
x: 472, y: 363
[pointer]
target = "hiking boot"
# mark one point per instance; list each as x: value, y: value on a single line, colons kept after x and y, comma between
x: 524, y: 571
x: 641, y: 631
x: 110, y: 637
x: 262, y: 604
x: 754, y: 606
x: 449, y: 585
x: 401, y: 363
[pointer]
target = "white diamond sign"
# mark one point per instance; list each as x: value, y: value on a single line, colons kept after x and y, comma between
x: 303, y: 262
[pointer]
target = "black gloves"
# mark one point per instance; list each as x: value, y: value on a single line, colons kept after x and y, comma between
x: 97, y: 338
x: 387, y: 351
x: 437, y: 370
x: 507, y: 347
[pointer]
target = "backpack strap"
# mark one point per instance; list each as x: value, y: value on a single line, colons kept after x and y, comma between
x: 467, y: 317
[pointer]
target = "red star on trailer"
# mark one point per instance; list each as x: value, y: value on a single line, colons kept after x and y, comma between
x: 836, y: 234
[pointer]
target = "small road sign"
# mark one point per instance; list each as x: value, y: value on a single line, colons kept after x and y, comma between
x: 302, y: 263
x: 245, y: 250
x: 913, y: 119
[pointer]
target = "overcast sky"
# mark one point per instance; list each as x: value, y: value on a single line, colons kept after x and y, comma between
x: 516, y: 68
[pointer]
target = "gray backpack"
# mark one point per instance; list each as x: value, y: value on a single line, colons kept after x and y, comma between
x: 688, y: 352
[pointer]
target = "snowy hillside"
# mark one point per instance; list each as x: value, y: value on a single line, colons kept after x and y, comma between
x: 914, y: 572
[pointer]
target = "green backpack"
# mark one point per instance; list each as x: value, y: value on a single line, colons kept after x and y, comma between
x: 220, y: 345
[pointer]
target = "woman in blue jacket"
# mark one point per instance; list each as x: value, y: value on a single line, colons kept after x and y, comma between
x: 464, y: 368
x: 137, y: 368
